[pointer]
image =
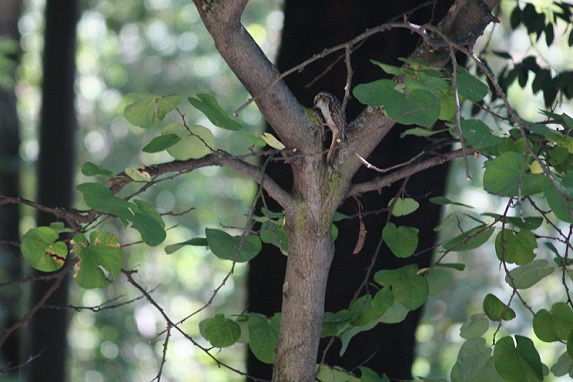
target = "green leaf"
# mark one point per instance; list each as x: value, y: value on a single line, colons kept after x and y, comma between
x: 397, y: 313
x: 167, y: 103
x: 563, y: 366
x: 475, y: 327
x: 478, y: 134
x: 148, y: 109
x: 443, y: 201
x: 335, y: 323
x: 42, y: 250
x: 555, y: 325
x: 472, y: 358
x: 496, y: 310
x: 456, y: 266
x: 403, y: 206
x: 197, y: 241
x: 147, y: 221
x: 527, y: 222
x: 438, y: 280
x: 530, y: 274
x: 468, y: 240
x: 209, y: 106
x: 519, y: 363
x: 516, y: 248
x: 275, y: 234
x: 420, y: 132
x: 100, y: 198
x: 328, y: 373
x: 507, y: 175
x: 272, y: 141
x: 143, y: 111
x: 100, y: 259
x: 419, y: 107
x: 234, y: 248
x: 369, y: 375
x: 161, y: 143
x: 393, y: 70
x: 196, y: 141
x: 402, y: 240
x: 409, y: 288
x: 92, y: 169
x: 470, y: 87
x: 137, y: 175
x: 60, y: 227
x: 563, y: 209
x: 220, y: 331
x: 263, y: 335
x: 373, y: 308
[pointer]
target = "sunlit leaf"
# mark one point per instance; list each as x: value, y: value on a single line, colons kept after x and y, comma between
x: 212, y: 110
x: 42, y: 250
x: 196, y: 141
x: 100, y: 259
x: 272, y: 141
x: 137, y: 174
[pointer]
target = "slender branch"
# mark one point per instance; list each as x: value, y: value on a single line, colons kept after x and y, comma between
x: 404, y: 172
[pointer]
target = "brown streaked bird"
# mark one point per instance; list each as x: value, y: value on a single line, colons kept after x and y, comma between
x: 330, y: 108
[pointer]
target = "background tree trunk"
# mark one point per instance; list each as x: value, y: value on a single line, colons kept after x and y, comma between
x: 56, y: 169
x: 10, y: 258
x: 309, y: 28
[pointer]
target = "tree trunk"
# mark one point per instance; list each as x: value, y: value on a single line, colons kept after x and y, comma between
x: 56, y: 169
x: 10, y: 258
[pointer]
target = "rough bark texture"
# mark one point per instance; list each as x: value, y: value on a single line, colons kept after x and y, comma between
x: 56, y: 169
x: 10, y: 258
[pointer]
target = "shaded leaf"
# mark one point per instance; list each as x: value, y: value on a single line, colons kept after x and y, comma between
x: 517, y: 363
x: 234, y: 248
x: 496, y: 310
x: 220, y: 331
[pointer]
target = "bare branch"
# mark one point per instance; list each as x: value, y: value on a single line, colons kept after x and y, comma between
x: 414, y: 168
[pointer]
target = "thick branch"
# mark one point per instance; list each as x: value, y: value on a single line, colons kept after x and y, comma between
x: 219, y: 158
x: 245, y: 58
x: 464, y: 22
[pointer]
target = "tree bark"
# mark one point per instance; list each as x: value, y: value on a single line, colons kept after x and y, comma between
x: 56, y: 170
